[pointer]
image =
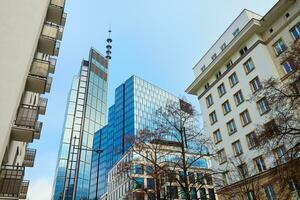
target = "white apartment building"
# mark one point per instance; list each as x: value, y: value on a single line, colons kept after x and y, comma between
x: 231, y: 71
x: 131, y: 177
x: 31, y: 32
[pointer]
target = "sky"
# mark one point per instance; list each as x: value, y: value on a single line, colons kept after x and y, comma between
x: 158, y: 40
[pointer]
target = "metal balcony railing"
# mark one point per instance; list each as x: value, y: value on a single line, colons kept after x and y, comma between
x: 40, y: 68
x: 60, y: 33
x: 48, y: 84
x: 52, y: 65
x: 11, y: 178
x: 24, y: 190
x: 42, y: 105
x: 50, y: 30
x: 58, y: 3
x: 56, y: 12
x: 64, y: 19
x: 29, y: 157
x: 27, y: 116
x: 38, y: 130
x: 56, y: 49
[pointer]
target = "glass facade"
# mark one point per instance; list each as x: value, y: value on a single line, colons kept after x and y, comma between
x: 136, y: 100
x: 85, y: 113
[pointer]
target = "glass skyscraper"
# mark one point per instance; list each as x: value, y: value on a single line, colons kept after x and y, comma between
x: 85, y: 114
x: 136, y: 100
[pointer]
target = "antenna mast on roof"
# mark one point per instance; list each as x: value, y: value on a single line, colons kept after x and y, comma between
x: 108, y: 46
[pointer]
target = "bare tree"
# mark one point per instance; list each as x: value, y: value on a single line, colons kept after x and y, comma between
x: 174, y: 149
x: 179, y: 123
x: 282, y: 98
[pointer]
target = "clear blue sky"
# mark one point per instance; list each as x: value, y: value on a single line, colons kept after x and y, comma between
x: 158, y: 40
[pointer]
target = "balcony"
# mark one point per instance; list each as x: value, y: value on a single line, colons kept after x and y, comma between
x: 60, y: 33
x: 56, y: 12
x: 48, y: 84
x: 37, y: 78
x: 11, y: 178
x: 38, y: 130
x: 23, y: 190
x: 29, y: 157
x: 42, y: 105
x: 48, y: 40
x: 52, y: 65
x: 25, y: 123
x: 64, y: 19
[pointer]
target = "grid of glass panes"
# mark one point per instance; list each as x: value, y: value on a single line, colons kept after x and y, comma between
x: 94, y: 119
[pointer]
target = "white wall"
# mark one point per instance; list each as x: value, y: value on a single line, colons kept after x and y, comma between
x: 21, y: 24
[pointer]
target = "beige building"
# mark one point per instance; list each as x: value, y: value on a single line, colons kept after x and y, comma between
x: 231, y: 71
x: 31, y: 32
x: 132, y: 177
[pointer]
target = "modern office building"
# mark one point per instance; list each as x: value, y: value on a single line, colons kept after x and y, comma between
x: 132, y: 177
x: 231, y: 71
x: 136, y: 101
x: 85, y: 114
x: 31, y: 32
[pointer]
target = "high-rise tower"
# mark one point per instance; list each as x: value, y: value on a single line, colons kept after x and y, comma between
x: 136, y: 102
x: 85, y: 113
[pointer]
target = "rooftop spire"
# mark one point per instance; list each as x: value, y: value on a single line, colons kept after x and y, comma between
x: 108, y: 46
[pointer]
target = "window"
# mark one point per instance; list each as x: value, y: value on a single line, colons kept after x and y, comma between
x: 251, y: 140
x: 138, y: 169
x: 243, y: 171
x: 243, y: 50
x: 150, y: 183
x: 260, y: 164
x: 249, y: 66
x: 200, y: 178
x: 229, y: 64
x: 173, y: 191
x: 294, y: 186
x: 238, y: 97
x: 225, y: 178
x: 221, y: 89
x: 206, y: 86
x: 295, y: 31
x: 218, y: 75
x: 226, y: 107
x: 231, y: 127
x: 233, y: 79
x: 255, y: 84
x: 203, y: 68
x: 191, y: 177
x: 250, y: 195
x: 208, y: 178
x: 270, y: 193
x: 263, y: 106
x: 237, y: 148
x: 279, y: 47
x: 245, y: 118
x: 213, y: 117
x: 287, y: 67
x: 209, y: 100
x: 211, y: 194
x: 203, y: 194
x: 222, y: 156
x: 214, y: 56
x: 217, y: 136
x: 193, y: 193
x: 138, y: 183
x: 236, y: 32
x: 223, y: 46
x: 280, y: 154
